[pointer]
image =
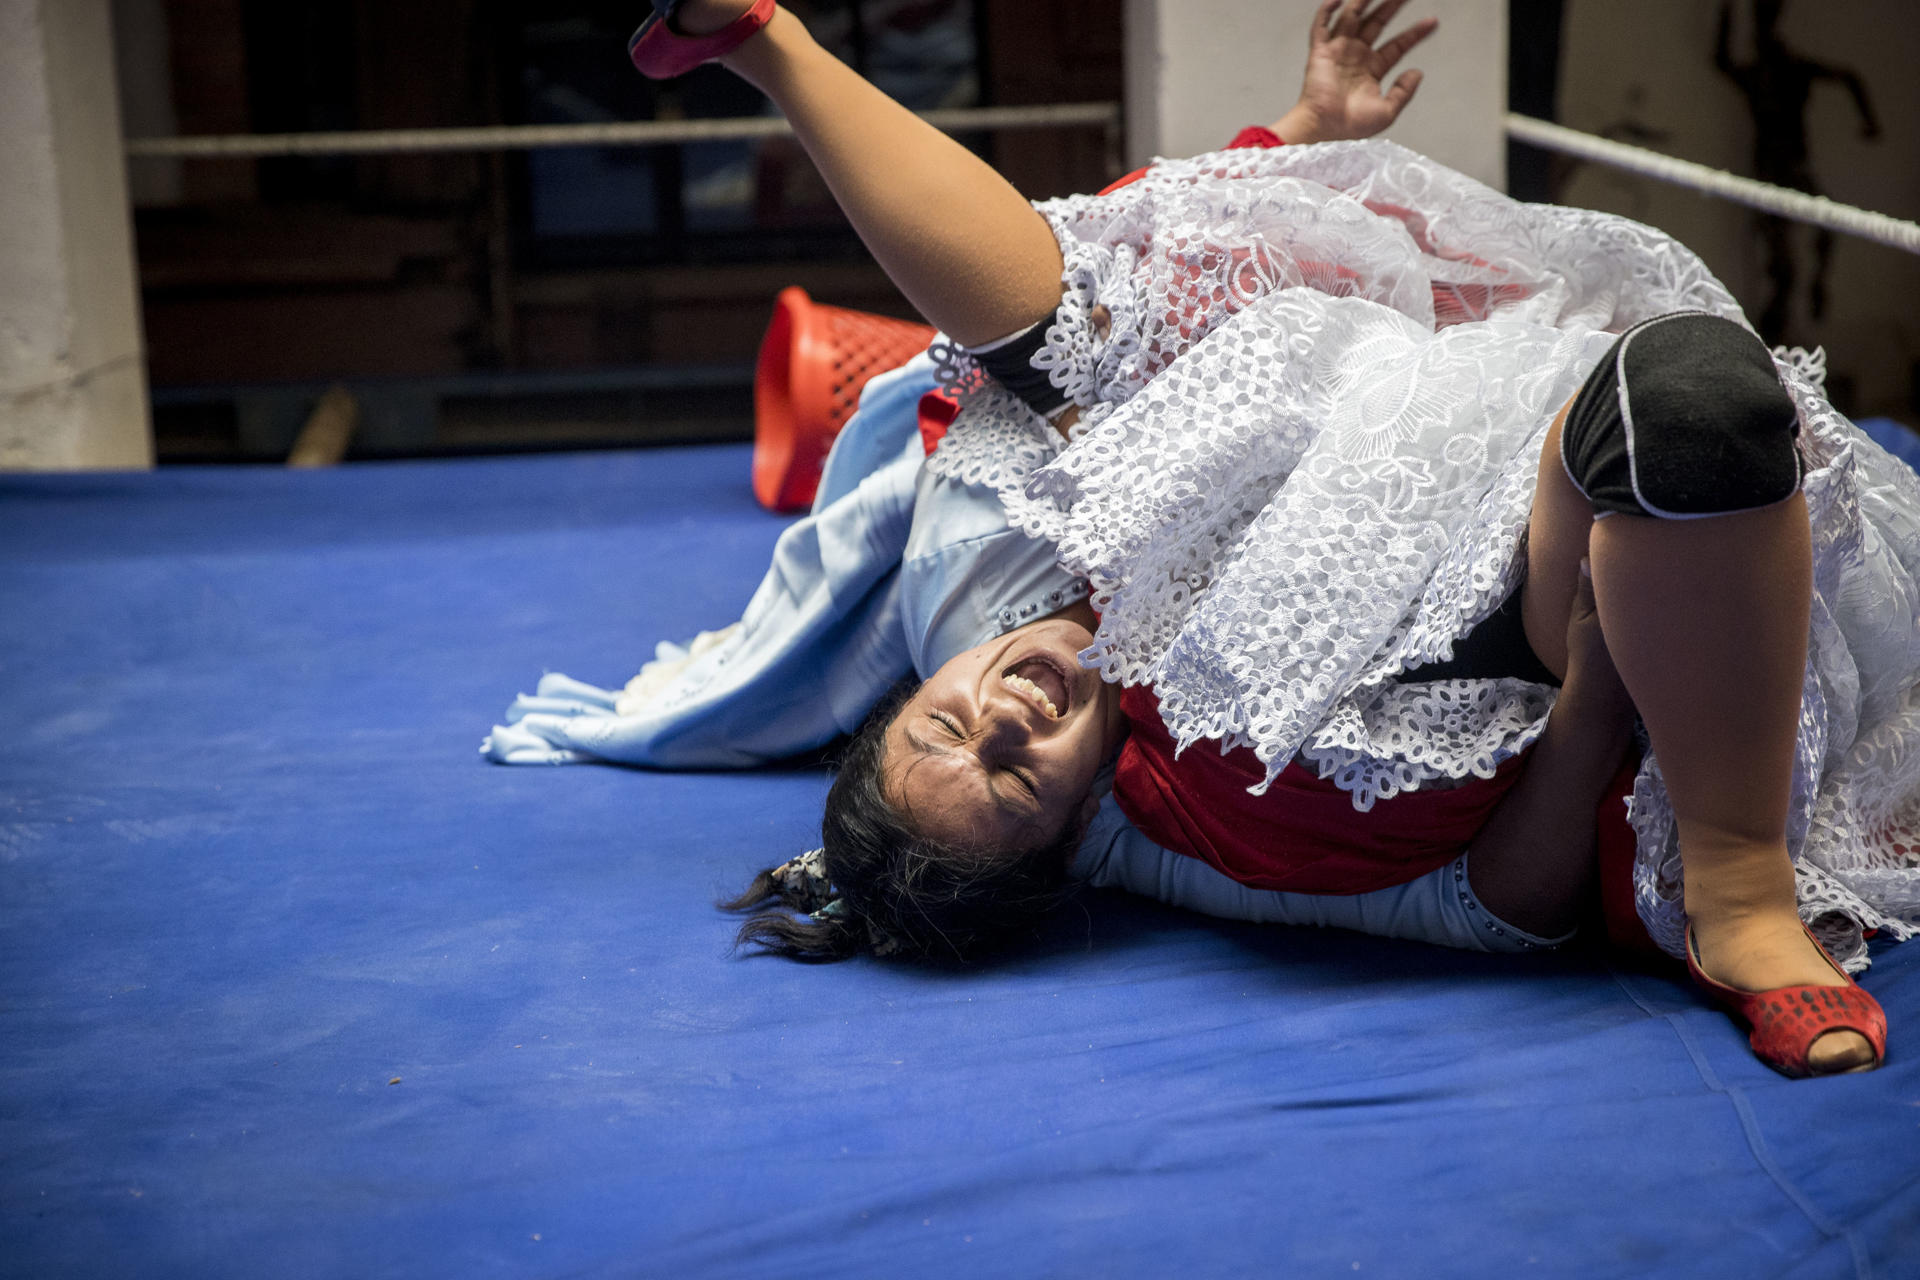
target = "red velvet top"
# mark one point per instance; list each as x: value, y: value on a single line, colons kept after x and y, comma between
x: 1303, y: 834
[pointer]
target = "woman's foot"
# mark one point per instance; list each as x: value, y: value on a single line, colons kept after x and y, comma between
x: 698, y: 31
x: 1761, y: 951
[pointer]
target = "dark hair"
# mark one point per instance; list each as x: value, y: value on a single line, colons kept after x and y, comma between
x: 935, y: 901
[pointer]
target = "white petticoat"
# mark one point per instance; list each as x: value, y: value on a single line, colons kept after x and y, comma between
x: 1314, y: 383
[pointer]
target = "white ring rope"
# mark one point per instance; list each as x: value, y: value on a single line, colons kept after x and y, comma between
x: 1766, y: 197
x: 520, y: 137
x: 1801, y: 207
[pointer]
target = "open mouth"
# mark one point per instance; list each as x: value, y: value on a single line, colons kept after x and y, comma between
x: 1039, y: 680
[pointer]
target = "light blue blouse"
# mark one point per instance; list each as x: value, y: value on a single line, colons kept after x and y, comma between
x: 967, y: 576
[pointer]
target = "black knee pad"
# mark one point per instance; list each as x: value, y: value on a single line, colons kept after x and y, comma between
x: 1684, y: 417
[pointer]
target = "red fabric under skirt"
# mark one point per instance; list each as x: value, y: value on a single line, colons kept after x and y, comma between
x: 1303, y: 835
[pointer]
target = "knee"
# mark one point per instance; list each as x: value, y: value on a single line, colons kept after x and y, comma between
x: 1685, y: 417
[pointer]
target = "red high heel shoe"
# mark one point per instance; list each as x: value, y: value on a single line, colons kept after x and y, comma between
x: 1787, y: 1020
x: 661, y: 53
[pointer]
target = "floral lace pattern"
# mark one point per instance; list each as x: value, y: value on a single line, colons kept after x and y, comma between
x: 1005, y: 441
x: 1314, y: 383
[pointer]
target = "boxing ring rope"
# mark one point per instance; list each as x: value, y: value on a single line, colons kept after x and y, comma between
x: 626, y: 133
x: 1797, y: 205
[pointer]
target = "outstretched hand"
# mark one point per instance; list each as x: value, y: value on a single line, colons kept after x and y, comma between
x: 1341, y: 95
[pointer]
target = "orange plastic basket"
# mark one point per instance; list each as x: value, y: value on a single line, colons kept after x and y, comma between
x: 813, y: 362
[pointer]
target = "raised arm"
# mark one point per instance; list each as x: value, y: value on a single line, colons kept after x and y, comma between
x: 1342, y: 94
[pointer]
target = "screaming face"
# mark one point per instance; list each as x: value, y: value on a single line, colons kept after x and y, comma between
x: 999, y: 748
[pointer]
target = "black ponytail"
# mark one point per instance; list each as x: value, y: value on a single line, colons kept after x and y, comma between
x: 798, y: 937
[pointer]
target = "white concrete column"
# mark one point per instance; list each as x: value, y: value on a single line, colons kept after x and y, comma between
x: 73, y: 390
x: 1200, y: 70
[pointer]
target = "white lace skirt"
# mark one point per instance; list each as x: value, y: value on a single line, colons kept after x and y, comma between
x: 1314, y: 383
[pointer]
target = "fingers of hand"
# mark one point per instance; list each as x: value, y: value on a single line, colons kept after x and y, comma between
x: 1395, y: 49
x: 1403, y: 89
x: 1375, y: 20
x: 1354, y: 15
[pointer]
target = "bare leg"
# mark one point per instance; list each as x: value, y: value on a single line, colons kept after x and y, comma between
x: 1533, y: 863
x: 965, y: 247
x: 1557, y: 535
x: 1706, y: 621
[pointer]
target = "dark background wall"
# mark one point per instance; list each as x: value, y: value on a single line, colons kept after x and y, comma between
x: 580, y: 259
x: 1644, y: 71
x: 547, y: 299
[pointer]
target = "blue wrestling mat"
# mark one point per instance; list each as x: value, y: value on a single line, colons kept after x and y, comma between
x: 293, y: 984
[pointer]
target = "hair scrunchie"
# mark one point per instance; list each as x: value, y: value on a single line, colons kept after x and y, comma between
x: 803, y: 881
x: 805, y: 885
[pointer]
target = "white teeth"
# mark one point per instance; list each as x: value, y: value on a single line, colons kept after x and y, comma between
x: 1022, y: 685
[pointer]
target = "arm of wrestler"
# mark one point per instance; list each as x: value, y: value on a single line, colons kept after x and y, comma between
x: 1342, y: 94
x: 1533, y: 863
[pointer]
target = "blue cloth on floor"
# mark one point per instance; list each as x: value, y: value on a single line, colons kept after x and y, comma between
x: 1901, y: 441
x: 292, y: 984
x: 820, y: 641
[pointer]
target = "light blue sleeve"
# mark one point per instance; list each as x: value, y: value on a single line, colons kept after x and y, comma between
x: 969, y: 576
x: 820, y: 642
x: 1440, y: 907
